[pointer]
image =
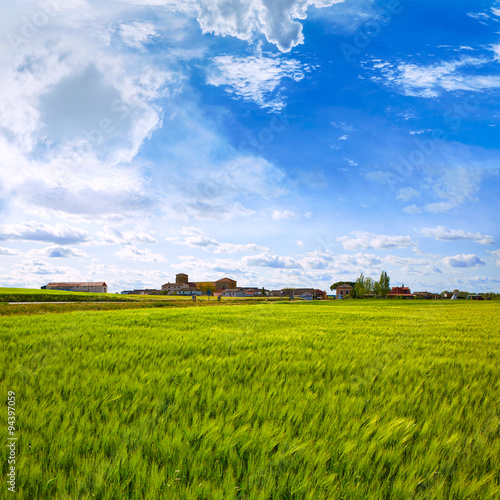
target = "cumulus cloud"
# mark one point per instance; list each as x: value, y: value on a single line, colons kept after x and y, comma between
x: 271, y: 260
x: 137, y: 34
x: 362, y: 240
x: 445, y: 234
x: 9, y: 251
x: 496, y: 253
x: 139, y: 254
x: 195, y: 238
x: 255, y: 78
x: 56, y: 252
x: 464, y: 260
x: 113, y: 236
x: 279, y: 22
x: 61, y: 234
x: 283, y: 214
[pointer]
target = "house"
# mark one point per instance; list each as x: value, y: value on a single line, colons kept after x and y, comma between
x: 304, y: 293
x: 225, y: 283
x: 99, y: 287
x: 343, y: 291
x: 147, y: 291
x: 189, y: 292
x: 233, y: 292
x: 400, y: 291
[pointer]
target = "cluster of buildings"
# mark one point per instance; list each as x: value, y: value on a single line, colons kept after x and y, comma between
x: 225, y: 287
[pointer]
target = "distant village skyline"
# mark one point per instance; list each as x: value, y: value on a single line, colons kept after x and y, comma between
x: 292, y: 143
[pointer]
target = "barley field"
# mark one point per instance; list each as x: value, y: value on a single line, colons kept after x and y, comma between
x: 333, y: 400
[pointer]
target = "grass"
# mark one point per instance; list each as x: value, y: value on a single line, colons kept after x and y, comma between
x: 39, y: 295
x: 346, y: 399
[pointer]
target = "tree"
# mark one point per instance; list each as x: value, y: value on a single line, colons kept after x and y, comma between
x: 383, y: 286
x: 263, y: 293
x: 206, y: 287
x: 363, y: 286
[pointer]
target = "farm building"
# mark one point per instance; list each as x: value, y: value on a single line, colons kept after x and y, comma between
x: 304, y: 293
x: 234, y: 292
x: 99, y: 287
x: 343, y: 291
x: 225, y: 283
x: 400, y: 291
x: 182, y: 284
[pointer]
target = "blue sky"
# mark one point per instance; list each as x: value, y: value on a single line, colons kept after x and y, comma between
x: 292, y: 143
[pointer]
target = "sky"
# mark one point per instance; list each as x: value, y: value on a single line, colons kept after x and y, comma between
x: 280, y: 143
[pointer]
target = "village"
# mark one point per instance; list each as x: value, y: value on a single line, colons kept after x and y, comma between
x: 227, y: 287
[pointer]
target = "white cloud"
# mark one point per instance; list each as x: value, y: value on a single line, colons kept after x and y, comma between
x: 270, y: 260
x: 408, y: 193
x: 445, y: 234
x: 61, y: 234
x: 440, y: 207
x: 464, y: 260
x: 137, y: 34
x: 195, y: 238
x: 139, y: 254
x: 283, y: 214
x: 279, y: 22
x: 412, y: 209
x: 362, y: 240
x: 496, y: 253
x: 9, y: 251
x: 56, y: 252
x: 300, y: 243
x: 430, y: 81
x: 112, y: 236
x: 255, y: 78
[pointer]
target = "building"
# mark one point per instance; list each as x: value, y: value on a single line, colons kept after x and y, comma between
x: 342, y: 291
x: 182, y: 284
x: 303, y: 293
x: 234, y: 292
x: 99, y: 287
x: 146, y: 291
x: 225, y: 283
x: 400, y: 291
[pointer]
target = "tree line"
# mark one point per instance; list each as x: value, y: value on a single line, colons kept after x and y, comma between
x: 365, y: 286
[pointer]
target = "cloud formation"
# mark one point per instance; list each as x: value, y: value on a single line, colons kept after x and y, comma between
x: 255, y: 78
x: 196, y: 238
x: 279, y: 22
x: 61, y: 234
x: 464, y: 260
x: 361, y: 240
x: 445, y: 234
x: 432, y: 80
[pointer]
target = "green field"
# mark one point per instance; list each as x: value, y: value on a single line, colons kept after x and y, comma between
x: 340, y: 399
x: 34, y: 295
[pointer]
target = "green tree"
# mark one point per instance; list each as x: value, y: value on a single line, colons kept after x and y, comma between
x: 360, y: 286
x: 206, y: 287
x: 383, y: 286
